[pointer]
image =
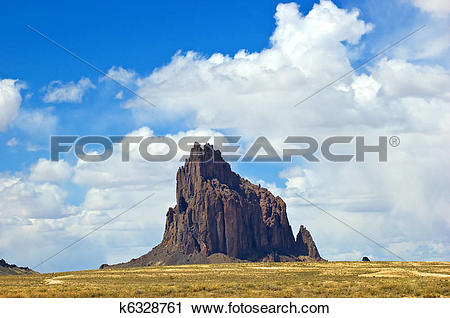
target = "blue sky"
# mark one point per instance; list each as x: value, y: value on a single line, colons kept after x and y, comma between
x: 209, y: 87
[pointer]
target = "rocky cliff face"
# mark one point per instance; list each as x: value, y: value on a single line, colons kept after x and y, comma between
x: 12, y: 269
x: 305, y: 244
x: 221, y: 217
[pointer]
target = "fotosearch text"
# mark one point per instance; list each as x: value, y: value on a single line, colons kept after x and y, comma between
x: 260, y: 150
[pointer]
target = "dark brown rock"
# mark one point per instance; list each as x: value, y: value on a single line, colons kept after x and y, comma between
x: 13, y: 269
x: 305, y: 243
x: 221, y: 216
x: 365, y: 259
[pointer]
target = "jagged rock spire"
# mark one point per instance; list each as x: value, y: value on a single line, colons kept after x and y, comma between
x: 221, y: 217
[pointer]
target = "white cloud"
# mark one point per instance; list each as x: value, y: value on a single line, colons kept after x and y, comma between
x: 307, y: 52
x: 46, y: 170
x: 10, y: 100
x: 365, y: 89
x: 403, y: 79
x: 438, y: 8
x: 23, y: 199
x: 36, y: 122
x: 12, y: 142
x: 120, y: 75
x: 58, y: 92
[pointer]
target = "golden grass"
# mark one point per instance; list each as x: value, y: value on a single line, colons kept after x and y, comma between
x: 324, y: 279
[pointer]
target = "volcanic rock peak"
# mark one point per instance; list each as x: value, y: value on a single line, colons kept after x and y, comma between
x: 221, y: 217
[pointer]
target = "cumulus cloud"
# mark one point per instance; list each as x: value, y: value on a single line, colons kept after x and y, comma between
x: 58, y: 92
x: 32, y: 121
x: 440, y: 8
x: 10, y: 100
x: 403, y: 79
x: 306, y: 53
x: 365, y: 89
x: 23, y: 199
x: 46, y: 170
x: 119, y: 74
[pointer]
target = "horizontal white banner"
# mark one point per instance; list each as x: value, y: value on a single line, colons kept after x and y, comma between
x: 223, y: 307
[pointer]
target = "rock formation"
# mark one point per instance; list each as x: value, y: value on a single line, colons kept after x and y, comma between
x: 221, y: 217
x: 12, y: 269
x: 305, y: 243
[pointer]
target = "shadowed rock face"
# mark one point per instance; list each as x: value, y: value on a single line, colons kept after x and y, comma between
x: 221, y: 217
x: 305, y: 244
x: 12, y: 269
